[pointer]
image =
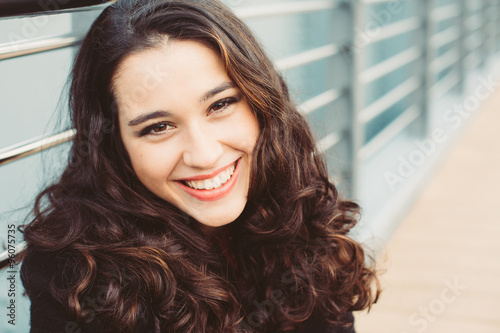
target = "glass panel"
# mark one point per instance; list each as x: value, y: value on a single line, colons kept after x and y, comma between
x: 378, y: 88
x: 293, y: 34
x: 384, y: 49
x: 382, y: 14
x: 376, y: 125
x: 330, y: 118
x: 310, y: 80
x: 31, y: 93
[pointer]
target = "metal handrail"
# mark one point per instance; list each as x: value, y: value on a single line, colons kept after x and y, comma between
x: 446, y: 12
x: 320, y: 101
x: 389, y: 99
x: 328, y: 142
x: 397, y: 28
x: 30, y: 147
x: 473, y: 23
x: 307, y: 57
x: 444, y: 85
x: 286, y: 8
x: 445, y: 37
x: 389, y: 132
x: 444, y: 61
x: 387, y: 66
x: 14, y: 50
x: 19, y: 247
x: 373, y: 2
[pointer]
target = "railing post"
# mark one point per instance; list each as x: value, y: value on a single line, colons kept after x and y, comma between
x: 357, y: 92
x: 427, y: 31
x: 462, y: 46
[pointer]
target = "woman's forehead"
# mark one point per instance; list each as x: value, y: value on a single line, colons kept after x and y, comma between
x: 184, y: 70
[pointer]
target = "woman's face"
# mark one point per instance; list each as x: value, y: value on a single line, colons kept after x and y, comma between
x: 187, y: 129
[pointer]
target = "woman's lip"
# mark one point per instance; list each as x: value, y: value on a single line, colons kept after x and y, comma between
x: 216, y: 193
x: 212, y: 175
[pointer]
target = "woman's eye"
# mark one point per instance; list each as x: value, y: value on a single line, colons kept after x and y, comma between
x: 222, y: 104
x: 219, y: 106
x: 156, y: 129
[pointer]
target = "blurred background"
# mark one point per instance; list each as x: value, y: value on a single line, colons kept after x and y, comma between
x: 402, y: 97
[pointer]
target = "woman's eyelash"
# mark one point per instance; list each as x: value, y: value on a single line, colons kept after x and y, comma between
x: 159, y: 125
x: 223, y: 103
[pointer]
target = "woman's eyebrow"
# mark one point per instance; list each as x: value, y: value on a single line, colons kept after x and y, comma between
x: 145, y: 117
x: 157, y: 114
x: 217, y: 90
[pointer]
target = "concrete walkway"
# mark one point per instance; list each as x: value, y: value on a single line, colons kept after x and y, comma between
x: 443, y: 263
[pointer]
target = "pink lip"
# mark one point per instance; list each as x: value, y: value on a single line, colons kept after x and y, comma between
x: 214, y: 194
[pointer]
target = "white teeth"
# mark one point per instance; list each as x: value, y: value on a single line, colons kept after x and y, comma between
x: 215, y: 182
x: 208, y: 184
x: 223, y: 177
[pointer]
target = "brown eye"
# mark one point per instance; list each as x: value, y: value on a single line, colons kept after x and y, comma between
x: 156, y: 129
x: 219, y: 106
x: 159, y: 128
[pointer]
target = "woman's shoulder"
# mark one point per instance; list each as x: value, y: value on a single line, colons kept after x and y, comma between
x: 319, y: 325
x: 40, y: 268
x: 40, y: 271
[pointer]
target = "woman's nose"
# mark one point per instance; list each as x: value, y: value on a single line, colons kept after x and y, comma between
x: 202, y: 148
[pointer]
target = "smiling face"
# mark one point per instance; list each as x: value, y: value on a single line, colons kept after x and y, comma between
x: 188, y: 130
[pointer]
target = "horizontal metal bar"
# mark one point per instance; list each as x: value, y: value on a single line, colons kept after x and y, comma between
x: 19, y: 247
x: 387, y: 66
x: 473, y: 60
x: 396, y: 29
x: 473, y: 41
x: 36, y: 46
x: 446, y: 12
x: 473, y: 23
x: 373, y: 2
x: 473, y: 5
x: 389, y: 132
x: 444, y: 61
x: 389, y: 99
x: 319, y: 101
x: 328, y: 142
x: 445, y: 37
x: 24, y: 8
x: 444, y: 85
x: 30, y: 147
x: 285, y: 8
x: 307, y: 57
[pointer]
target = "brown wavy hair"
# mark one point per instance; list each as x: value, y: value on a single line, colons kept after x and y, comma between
x: 290, y: 258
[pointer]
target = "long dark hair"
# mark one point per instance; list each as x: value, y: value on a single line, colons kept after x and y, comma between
x: 290, y: 250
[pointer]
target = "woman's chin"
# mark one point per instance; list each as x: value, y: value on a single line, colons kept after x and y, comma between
x: 218, y: 220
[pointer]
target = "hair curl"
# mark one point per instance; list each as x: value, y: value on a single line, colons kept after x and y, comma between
x: 147, y: 259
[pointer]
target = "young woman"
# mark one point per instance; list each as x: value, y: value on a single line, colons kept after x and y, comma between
x: 194, y: 199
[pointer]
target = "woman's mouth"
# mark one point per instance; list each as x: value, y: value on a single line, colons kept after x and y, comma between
x: 212, y: 183
x: 215, y: 187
